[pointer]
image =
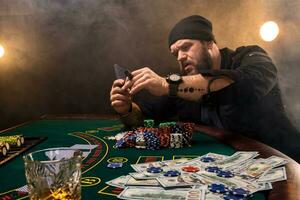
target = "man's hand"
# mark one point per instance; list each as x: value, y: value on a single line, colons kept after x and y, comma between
x: 145, y: 78
x: 120, y: 97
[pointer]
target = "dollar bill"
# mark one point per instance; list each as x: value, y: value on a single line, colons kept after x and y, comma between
x: 119, y: 182
x: 149, y: 182
x: 208, y: 177
x: 140, y: 167
x: 196, y: 193
x: 274, y: 175
x: 276, y: 161
x: 147, y: 193
x: 265, y: 186
x: 197, y: 161
x: 183, y: 180
x: 236, y: 159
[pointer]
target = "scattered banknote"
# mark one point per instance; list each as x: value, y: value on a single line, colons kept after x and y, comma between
x: 119, y: 182
x: 135, y: 193
x: 248, y: 172
x: 274, y: 175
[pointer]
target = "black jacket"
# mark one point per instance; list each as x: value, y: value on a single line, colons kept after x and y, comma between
x: 251, y: 106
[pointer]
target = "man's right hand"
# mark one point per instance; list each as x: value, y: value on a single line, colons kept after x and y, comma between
x: 119, y: 96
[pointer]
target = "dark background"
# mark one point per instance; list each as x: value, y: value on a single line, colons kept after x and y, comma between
x: 60, y: 53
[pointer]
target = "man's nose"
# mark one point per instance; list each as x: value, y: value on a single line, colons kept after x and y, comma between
x: 181, y: 56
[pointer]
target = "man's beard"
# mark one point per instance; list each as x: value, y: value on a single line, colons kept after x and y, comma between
x: 204, y: 64
x: 206, y: 61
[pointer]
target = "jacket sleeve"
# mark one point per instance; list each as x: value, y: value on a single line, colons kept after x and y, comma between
x: 254, y: 76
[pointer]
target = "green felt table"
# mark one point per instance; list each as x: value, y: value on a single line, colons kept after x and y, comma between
x: 65, y: 132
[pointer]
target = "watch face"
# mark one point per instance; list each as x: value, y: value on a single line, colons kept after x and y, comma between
x: 174, y: 77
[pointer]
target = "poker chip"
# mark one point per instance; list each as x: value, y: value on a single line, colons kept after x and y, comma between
x: 240, y: 192
x: 154, y: 170
x: 207, y: 159
x: 120, y: 143
x: 149, y: 123
x: 232, y: 197
x: 217, y: 188
x: 213, y: 169
x: 225, y: 174
x: 190, y: 168
x: 114, y: 165
x: 172, y: 173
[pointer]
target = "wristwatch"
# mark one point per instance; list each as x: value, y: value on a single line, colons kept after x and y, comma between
x: 174, y: 80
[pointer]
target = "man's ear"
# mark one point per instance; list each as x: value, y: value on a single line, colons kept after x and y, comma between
x: 210, y: 44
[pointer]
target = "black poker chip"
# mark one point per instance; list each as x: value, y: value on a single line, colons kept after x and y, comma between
x: 225, y: 174
x: 207, y: 159
x: 213, y: 169
x: 154, y: 170
x: 172, y: 173
x: 217, y: 188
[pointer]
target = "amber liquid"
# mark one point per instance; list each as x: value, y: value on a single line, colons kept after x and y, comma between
x: 60, y: 194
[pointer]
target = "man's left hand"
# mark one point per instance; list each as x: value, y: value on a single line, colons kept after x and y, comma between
x: 145, y: 78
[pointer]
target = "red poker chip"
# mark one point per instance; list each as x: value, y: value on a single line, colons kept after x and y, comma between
x: 190, y: 168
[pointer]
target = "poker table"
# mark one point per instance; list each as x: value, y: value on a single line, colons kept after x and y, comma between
x: 69, y: 130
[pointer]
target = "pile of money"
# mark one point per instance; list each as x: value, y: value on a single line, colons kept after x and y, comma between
x: 210, y: 176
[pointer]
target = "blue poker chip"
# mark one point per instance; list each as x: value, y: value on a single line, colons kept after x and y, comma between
x: 172, y: 173
x: 225, y: 174
x: 217, y: 188
x: 207, y: 159
x: 213, y: 169
x: 120, y: 143
x: 240, y: 192
x: 154, y: 170
x: 233, y: 197
x: 114, y: 165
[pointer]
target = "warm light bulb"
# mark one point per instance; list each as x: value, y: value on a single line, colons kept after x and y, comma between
x: 2, y: 51
x: 269, y: 31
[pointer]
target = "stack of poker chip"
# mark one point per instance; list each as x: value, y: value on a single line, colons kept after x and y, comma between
x: 3, y: 149
x: 13, y: 140
x: 167, y: 135
x: 176, y: 140
x: 151, y: 141
x: 130, y: 139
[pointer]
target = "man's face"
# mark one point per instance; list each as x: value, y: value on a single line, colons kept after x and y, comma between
x: 192, y: 55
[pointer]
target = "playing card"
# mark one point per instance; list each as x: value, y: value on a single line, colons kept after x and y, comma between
x: 121, y: 72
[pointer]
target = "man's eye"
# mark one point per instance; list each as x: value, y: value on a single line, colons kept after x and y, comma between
x: 185, y: 47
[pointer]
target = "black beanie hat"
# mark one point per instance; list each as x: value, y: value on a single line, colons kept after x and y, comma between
x: 192, y: 27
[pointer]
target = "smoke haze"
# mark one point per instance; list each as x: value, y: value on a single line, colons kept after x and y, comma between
x: 60, y: 53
